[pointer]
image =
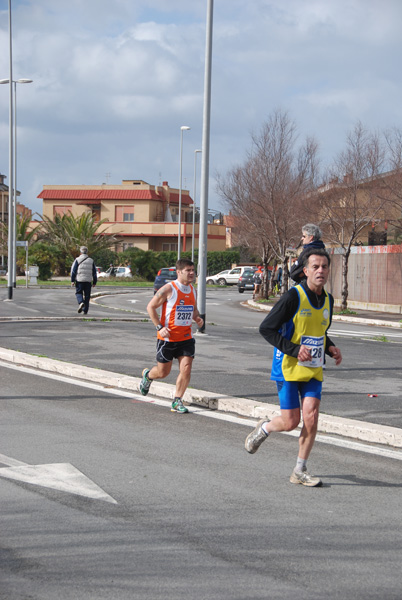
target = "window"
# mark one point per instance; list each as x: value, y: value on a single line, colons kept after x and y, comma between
x: 61, y: 210
x: 169, y: 247
x: 127, y: 245
x: 124, y: 213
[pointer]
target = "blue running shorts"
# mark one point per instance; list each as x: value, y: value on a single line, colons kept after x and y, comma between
x: 289, y: 392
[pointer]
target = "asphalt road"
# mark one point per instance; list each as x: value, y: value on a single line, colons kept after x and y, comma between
x: 232, y: 358
x: 194, y: 517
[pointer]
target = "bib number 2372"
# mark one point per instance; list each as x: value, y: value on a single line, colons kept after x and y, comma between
x: 184, y: 316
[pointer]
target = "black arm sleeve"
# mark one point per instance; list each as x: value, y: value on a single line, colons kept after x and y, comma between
x: 282, y: 312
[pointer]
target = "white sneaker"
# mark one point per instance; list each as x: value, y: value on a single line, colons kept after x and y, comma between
x: 305, y: 478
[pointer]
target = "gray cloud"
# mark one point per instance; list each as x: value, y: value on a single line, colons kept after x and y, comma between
x: 114, y: 81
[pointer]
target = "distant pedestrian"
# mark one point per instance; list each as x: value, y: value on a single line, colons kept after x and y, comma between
x: 83, y: 276
x: 177, y: 299
x: 257, y: 281
x: 311, y: 238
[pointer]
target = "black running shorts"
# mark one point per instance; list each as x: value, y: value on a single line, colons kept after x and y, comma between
x: 167, y: 351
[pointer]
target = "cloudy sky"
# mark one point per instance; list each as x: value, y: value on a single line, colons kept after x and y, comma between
x: 115, y: 79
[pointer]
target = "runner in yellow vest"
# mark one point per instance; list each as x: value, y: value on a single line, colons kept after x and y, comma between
x: 175, y: 339
x: 297, y: 326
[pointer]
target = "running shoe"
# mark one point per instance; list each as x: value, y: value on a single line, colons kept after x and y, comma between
x: 256, y: 437
x: 145, y: 382
x: 81, y: 307
x: 178, y: 406
x: 305, y: 478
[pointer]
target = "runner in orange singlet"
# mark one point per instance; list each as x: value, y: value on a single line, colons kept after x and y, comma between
x: 175, y: 339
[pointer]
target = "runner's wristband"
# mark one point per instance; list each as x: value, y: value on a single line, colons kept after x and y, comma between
x: 158, y: 327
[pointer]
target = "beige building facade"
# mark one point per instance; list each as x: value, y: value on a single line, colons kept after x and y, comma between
x: 139, y: 214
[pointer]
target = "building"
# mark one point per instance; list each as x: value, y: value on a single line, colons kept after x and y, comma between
x: 137, y: 213
x: 369, y: 209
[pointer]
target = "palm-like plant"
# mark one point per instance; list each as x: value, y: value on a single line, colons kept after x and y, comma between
x: 69, y: 233
x: 23, y: 233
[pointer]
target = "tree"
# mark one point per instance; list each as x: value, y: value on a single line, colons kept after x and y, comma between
x: 271, y: 192
x: 68, y: 233
x: 23, y: 234
x: 352, y: 199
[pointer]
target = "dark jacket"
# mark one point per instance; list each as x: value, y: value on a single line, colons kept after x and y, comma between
x: 296, y: 271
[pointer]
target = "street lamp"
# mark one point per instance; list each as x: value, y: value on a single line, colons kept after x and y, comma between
x: 12, y: 197
x: 182, y: 128
x: 194, y: 202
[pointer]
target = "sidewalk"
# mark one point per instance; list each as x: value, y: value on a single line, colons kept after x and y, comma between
x: 368, y: 317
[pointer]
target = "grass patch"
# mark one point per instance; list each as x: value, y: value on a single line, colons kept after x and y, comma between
x: 347, y: 311
x: 380, y: 338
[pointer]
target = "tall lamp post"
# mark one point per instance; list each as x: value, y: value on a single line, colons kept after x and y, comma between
x: 194, y: 201
x: 182, y: 128
x: 12, y: 196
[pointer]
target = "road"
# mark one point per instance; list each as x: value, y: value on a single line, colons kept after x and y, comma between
x: 232, y: 358
x: 192, y: 515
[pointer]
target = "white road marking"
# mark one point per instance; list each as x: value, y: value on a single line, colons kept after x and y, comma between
x: 59, y: 476
x: 371, y: 333
x: 203, y: 412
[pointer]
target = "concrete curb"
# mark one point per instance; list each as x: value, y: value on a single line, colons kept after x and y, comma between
x: 345, y: 318
x: 359, y: 430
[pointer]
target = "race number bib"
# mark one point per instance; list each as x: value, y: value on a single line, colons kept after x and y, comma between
x: 184, y: 316
x: 316, y: 347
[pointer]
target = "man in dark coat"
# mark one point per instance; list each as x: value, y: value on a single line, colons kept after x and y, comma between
x: 311, y: 238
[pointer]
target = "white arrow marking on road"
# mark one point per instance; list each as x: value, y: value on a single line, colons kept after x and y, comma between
x: 59, y: 476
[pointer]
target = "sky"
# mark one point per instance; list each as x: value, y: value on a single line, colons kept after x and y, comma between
x: 114, y: 80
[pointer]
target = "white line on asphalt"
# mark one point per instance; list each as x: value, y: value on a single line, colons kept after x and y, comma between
x: 199, y: 411
x: 371, y: 333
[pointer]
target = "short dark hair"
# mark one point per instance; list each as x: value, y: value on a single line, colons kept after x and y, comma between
x: 315, y: 252
x: 182, y: 263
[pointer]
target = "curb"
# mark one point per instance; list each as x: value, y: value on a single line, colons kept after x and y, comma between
x: 347, y: 319
x: 244, y: 407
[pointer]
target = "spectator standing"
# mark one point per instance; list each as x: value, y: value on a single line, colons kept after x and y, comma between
x: 257, y: 281
x: 311, y: 238
x: 83, y: 276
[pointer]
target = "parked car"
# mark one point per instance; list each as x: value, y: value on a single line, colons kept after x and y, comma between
x: 163, y: 276
x: 246, y: 280
x: 117, y: 272
x: 229, y: 277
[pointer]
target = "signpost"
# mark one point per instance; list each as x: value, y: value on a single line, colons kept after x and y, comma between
x: 26, y: 260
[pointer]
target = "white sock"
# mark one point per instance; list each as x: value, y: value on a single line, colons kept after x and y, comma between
x: 263, y: 427
x: 301, y: 464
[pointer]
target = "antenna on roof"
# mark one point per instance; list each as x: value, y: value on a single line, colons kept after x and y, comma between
x: 107, y: 175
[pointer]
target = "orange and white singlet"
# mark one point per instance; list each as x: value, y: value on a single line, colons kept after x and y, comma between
x: 177, y: 312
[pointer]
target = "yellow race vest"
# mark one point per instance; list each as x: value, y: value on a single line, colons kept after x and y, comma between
x: 310, y: 325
